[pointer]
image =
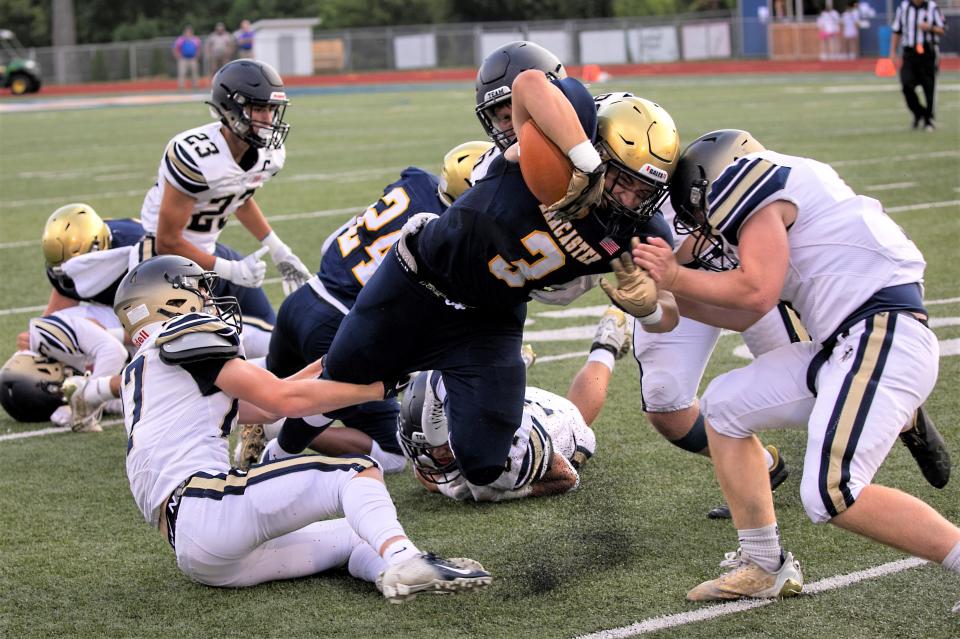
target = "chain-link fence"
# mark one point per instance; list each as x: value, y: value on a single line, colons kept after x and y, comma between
x: 700, y: 36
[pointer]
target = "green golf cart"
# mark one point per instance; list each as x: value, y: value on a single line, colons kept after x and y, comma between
x: 18, y: 73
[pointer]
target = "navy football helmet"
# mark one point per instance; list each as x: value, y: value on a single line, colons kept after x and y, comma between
x: 244, y: 83
x: 699, y: 165
x: 433, y: 461
x: 495, y: 81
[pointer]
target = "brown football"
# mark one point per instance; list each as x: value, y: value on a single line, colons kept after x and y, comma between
x: 545, y: 168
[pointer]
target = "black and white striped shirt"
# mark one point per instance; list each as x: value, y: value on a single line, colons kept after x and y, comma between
x: 907, y: 21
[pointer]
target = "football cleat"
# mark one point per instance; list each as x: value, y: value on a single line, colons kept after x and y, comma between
x: 429, y: 573
x: 613, y: 333
x: 778, y: 474
x: 85, y: 417
x: 747, y: 579
x: 928, y: 449
x: 528, y: 355
x: 251, y: 445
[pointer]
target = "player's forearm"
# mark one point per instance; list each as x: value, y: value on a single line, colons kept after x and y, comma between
x: 733, y: 289
x: 669, y: 317
x: 734, y: 320
x: 310, y: 371
x: 173, y: 243
x: 251, y: 414
x: 549, y: 108
x: 301, y: 398
x: 253, y: 219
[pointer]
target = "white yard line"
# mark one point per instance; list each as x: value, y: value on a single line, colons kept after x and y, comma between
x: 53, y: 430
x: 655, y: 624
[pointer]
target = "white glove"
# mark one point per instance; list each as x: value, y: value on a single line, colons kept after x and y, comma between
x: 292, y: 270
x: 248, y: 272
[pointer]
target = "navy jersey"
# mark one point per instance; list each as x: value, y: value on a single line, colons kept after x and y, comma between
x: 494, y: 245
x: 359, y: 246
x: 123, y: 233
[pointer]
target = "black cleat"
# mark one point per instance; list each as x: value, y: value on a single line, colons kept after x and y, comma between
x: 928, y: 448
x: 778, y: 475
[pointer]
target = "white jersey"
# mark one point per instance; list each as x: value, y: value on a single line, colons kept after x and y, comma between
x: 70, y: 337
x: 843, y: 247
x: 198, y: 163
x: 174, y: 429
x: 549, y: 423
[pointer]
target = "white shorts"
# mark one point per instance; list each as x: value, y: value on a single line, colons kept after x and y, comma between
x: 878, y: 374
x: 240, y: 529
x: 672, y: 364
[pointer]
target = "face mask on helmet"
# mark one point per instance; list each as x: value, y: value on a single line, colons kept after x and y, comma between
x: 30, y: 386
x: 639, y: 143
x: 167, y: 286
x: 249, y: 99
x: 699, y: 165
x: 495, y: 84
x: 457, y: 166
x: 434, y: 462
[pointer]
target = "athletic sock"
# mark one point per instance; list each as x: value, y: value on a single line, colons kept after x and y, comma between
x: 768, y: 457
x: 365, y: 563
x: 372, y: 515
x: 762, y: 546
x: 952, y: 561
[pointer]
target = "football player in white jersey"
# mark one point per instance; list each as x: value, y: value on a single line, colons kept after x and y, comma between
x: 871, y: 363
x: 93, y: 353
x: 183, y: 392
x: 211, y: 172
x: 551, y: 445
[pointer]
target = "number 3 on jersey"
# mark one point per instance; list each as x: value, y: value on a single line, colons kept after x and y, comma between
x: 518, y: 272
x: 393, y: 205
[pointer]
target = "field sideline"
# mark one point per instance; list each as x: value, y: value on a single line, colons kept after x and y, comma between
x: 615, y: 558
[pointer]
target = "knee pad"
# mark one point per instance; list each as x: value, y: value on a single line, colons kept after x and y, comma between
x: 695, y: 440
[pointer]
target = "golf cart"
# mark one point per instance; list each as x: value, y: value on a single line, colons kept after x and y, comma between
x: 17, y: 72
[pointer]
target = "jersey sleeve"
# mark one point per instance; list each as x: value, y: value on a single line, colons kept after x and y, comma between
x: 741, y: 190
x: 181, y: 170
x: 582, y: 103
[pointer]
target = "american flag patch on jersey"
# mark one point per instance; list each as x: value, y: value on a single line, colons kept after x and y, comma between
x: 609, y: 246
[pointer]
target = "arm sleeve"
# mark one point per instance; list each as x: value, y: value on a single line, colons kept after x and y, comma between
x: 582, y: 103
x: 205, y: 373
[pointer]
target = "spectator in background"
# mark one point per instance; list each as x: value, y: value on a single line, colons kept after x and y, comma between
x: 220, y: 46
x: 186, y: 49
x: 244, y: 39
x: 828, y: 26
x: 851, y: 30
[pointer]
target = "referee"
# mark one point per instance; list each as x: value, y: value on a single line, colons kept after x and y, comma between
x: 918, y: 24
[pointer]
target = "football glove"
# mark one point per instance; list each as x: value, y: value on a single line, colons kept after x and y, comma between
x: 636, y: 292
x: 583, y: 192
x: 248, y: 272
x: 292, y: 271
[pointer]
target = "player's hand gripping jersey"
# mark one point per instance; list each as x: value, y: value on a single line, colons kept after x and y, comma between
x: 198, y: 163
x: 355, y: 250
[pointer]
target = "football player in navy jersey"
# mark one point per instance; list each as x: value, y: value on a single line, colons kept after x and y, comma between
x: 452, y: 294
x: 309, y: 318
x: 74, y: 230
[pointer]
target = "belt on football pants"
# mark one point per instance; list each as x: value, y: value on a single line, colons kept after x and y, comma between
x: 173, y: 507
x: 407, y: 255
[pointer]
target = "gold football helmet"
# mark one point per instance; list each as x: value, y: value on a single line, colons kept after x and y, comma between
x: 30, y: 386
x: 166, y: 286
x: 74, y: 229
x: 458, y: 163
x: 639, y: 143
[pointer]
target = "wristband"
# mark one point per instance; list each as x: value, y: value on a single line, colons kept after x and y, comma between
x: 273, y: 242
x: 653, y: 317
x: 584, y: 156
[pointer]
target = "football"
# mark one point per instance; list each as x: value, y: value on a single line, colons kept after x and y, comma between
x: 545, y: 168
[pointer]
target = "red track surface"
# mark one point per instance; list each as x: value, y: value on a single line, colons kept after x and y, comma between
x: 865, y: 65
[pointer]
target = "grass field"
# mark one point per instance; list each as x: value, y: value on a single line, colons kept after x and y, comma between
x: 76, y: 559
